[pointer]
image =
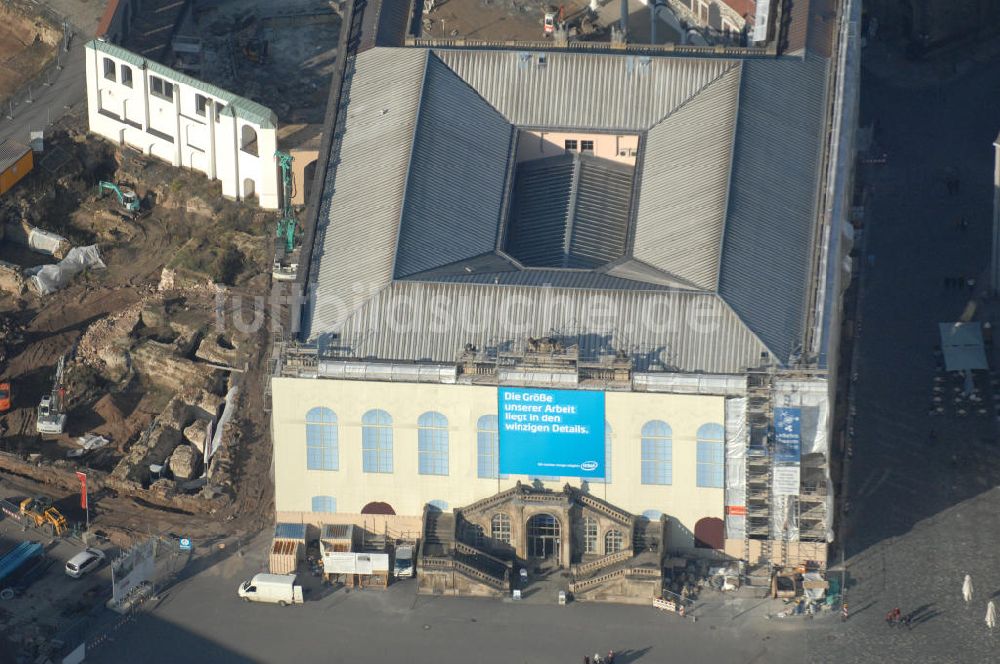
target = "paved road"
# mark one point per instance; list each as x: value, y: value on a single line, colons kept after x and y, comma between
x: 67, y: 87
x: 923, y: 507
x: 202, y: 621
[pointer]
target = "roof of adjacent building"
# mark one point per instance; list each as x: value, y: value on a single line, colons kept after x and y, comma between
x: 704, y: 265
x: 237, y: 106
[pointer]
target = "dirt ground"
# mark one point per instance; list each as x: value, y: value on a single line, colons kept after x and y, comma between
x: 492, y: 19
x: 27, y: 45
x: 301, y: 37
x: 190, y: 233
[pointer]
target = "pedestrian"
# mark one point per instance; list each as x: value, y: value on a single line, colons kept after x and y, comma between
x: 896, y: 615
x: 905, y: 621
x: 888, y: 618
x: 611, y: 657
x: 596, y: 659
x: 971, y: 283
x: 586, y: 659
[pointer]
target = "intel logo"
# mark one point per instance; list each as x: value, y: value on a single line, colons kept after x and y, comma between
x: 588, y: 466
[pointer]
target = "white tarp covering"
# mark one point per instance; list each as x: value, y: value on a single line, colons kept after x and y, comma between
x: 812, y: 398
x: 737, y: 439
x: 50, y: 278
x: 227, y: 414
x: 45, y: 242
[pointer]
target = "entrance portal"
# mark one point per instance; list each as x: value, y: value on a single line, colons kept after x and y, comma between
x: 543, y: 536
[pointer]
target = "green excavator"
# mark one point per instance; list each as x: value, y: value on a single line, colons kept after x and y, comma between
x: 285, y: 258
x: 128, y: 201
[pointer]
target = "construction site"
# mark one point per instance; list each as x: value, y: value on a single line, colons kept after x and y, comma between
x: 130, y: 350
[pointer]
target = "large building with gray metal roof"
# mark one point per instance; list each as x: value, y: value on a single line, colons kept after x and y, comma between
x: 663, y: 226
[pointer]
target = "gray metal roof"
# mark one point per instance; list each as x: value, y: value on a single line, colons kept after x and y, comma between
x: 571, y: 210
x: 10, y: 152
x: 241, y: 107
x: 685, y: 182
x: 685, y: 331
x: 541, y: 200
x: 601, y: 213
x: 356, y: 238
x: 601, y: 92
x: 729, y: 174
x: 767, y: 250
x: 453, y: 205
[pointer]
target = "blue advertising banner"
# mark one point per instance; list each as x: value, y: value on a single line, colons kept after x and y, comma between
x: 787, y: 435
x: 551, y: 432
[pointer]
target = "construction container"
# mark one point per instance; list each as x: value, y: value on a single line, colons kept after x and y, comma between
x: 288, y: 547
x: 284, y: 558
x: 16, y: 161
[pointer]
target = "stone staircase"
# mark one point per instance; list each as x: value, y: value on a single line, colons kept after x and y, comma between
x: 439, y: 533
x: 604, y: 508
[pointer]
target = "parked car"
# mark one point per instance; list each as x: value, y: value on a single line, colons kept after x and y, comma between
x: 4, y: 397
x: 84, y: 562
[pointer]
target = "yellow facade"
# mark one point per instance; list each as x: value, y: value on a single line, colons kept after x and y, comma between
x: 407, y: 491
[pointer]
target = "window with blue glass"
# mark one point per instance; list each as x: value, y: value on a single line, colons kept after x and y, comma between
x: 324, y: 504
x: 376, y: 442
x: 488, y: 448
x: 657, y: 453
x: 711, y: 455
x: 321, y: 440
x: 432, y: 444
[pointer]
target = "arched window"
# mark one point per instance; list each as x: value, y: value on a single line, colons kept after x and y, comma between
x: 324, y: 504
x: 322, y: 451
x: 488, y: 448
x: 613, y: 542
x: 500, y: 528
x: 376, y: 442
x: 432, y: 444
x: 657, y: 453
x: 711, y: 455
x: 248, y: 140
x: 590, y: 535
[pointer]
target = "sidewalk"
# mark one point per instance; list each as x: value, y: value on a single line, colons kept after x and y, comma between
x: 66, y: 87
x: 887, y: 62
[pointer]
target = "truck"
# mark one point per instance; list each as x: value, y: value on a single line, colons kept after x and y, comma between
x: 274, y: 588
x: 403, y: 567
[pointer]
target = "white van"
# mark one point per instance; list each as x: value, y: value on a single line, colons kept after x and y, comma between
x: 275, y: 588
x: 403, y: 569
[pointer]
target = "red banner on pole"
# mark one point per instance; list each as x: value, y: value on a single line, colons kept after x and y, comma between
x: 83, y: 489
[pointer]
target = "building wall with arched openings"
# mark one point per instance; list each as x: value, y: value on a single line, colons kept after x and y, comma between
x: 360, y: 476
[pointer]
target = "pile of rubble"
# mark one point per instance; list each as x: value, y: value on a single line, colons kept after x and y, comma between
x: 176, y: 441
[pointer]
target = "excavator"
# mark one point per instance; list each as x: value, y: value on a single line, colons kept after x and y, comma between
x: 50, y: 417
x: 41, y: 512
x: 285, y: 254
x: 128, y: 201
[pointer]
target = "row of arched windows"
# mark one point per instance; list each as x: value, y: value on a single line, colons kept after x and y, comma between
x: 323, y: 453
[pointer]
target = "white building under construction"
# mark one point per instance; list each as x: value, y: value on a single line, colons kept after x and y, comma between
x: 645, y: 248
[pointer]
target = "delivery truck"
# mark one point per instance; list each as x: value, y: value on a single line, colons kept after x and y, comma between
x: 274, y: 588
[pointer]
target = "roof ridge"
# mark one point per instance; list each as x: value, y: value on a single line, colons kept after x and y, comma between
x: 737, y: 64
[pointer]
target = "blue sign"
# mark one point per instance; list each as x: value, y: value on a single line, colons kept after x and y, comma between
x: 787, y: 435
x: 185, y: 544
x: 551, y: 432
